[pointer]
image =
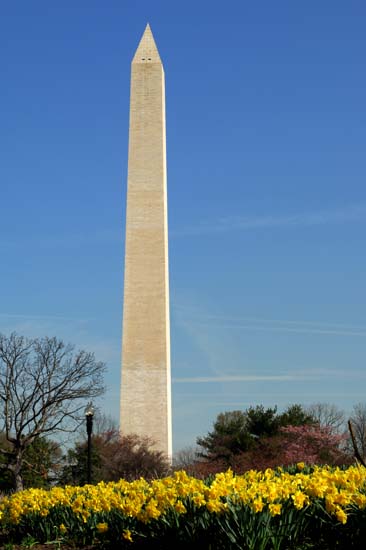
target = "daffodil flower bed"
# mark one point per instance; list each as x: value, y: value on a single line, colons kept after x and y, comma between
x: 274, y: 509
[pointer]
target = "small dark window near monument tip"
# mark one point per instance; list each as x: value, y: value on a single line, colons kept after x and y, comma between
x: 142, y: 59
x: 149, y: 58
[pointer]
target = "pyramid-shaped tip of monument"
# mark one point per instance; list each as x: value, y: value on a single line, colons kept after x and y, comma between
x: 147, y: 52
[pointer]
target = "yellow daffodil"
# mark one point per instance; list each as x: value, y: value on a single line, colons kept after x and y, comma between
x: 275, y: 509
x: 341, y: 515
x: 102, y: 527
x: 127, y: 535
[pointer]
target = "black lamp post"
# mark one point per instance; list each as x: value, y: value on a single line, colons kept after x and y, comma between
x: 89, y: 413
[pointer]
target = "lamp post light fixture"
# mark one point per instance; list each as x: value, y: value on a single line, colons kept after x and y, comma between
x: 89, y: 413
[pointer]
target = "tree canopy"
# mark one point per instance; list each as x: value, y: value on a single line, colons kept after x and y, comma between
x: 237, y: 431
x: 44, y: 385
x: 113, y: 457
x: 260, y: 437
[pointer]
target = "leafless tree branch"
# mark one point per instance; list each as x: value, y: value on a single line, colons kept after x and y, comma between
x: 44, y: 385
x: 354, y: 444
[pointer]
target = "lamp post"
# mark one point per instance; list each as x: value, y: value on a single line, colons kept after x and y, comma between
x: 89, y: 413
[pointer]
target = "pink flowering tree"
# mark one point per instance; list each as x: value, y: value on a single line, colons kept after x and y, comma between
x: 313, y: 444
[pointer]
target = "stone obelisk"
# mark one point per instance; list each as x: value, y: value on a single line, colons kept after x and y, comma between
x: 146, y: 385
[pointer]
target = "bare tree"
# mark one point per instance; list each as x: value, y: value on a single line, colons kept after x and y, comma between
x: 114, y: 457
x: 104, y: 423
x: 358, y: 431
x: 328, y: 416
x: 359, y: 458
x: 186, y: 458
x: 44, y: 385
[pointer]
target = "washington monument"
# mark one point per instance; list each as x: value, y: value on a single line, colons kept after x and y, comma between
x: 146, y: 385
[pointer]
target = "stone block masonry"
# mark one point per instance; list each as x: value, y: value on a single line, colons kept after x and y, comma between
x: 145, y: 382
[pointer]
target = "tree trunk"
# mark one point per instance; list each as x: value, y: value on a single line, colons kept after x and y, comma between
x: 19, y: 486
x: 357, y: 453
x: 18, y: 478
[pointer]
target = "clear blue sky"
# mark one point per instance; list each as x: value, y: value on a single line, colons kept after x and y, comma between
x: 266, y: 127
